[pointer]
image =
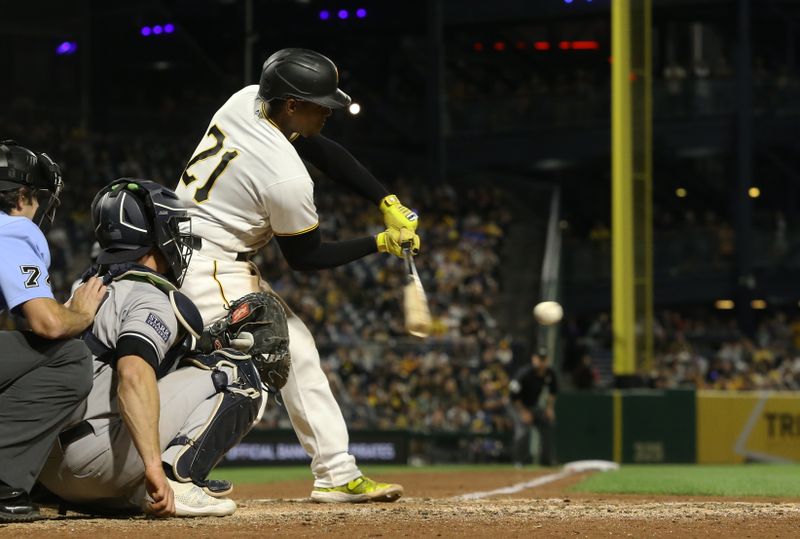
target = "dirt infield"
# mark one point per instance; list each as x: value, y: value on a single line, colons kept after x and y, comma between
x: 430, y: 510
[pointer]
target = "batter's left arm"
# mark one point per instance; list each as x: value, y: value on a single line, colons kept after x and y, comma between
x: 340, y: 165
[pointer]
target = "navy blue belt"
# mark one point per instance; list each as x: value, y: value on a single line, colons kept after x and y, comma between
x: 240, y: 257
x: 73, y: 434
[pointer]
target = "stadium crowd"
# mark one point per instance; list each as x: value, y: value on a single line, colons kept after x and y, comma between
x: 705, y: 351
x: 455, y: 381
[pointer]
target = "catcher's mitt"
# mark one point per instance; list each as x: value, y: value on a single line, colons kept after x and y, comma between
x: 261, y: 315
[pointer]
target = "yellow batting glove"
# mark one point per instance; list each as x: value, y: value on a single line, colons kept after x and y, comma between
x: 395, y: 215
x: 393, y: 240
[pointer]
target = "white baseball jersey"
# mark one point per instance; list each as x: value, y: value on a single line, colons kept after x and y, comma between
x: 245, y: 184
x: 268, y: 190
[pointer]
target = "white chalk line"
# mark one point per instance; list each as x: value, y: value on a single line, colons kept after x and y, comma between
x: 519, y: 487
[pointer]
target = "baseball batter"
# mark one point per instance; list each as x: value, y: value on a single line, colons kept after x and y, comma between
x: 247, y: 183
x: 148, y: 434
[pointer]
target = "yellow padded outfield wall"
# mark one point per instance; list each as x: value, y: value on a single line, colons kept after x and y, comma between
x: 735, y: 427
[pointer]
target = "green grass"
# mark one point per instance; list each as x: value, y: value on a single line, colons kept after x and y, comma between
x: 768, y: 480
x: 290, y: 473
x: 688, y: 480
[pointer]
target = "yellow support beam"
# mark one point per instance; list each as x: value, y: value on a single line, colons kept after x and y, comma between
x: 641, y: 64
x: 622, y: 221
x: 616, y: 396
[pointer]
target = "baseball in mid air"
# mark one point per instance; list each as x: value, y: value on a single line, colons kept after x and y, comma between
x: 548, y: 313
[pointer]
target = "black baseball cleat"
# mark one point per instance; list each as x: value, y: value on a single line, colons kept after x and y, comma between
x: 218, y: 488
x: 16, y: 506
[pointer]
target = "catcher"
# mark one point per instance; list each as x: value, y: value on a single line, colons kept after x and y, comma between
x: 157, y: 419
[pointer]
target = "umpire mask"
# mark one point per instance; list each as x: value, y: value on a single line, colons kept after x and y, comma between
x: 21, y: 167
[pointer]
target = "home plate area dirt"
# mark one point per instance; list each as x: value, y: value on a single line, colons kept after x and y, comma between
x: 430, y: 509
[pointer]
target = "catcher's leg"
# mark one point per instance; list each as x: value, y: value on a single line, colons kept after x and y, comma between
x: 218, y: 423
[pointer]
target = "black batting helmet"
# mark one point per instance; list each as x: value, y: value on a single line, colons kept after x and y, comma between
x: 131, y: 217
x: 21, y: 167
x: 303, y: 74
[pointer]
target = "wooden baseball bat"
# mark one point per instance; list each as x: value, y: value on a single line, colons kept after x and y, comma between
x: 415, y: 303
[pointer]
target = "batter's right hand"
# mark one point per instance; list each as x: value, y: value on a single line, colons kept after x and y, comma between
x: 393, y: 240
x: 87, y: 297
x: 161, y: 498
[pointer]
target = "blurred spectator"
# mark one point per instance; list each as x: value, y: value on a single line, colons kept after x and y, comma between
x: 585, y: 376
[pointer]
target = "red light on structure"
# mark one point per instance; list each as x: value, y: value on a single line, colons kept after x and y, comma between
x: 521, y: 45
x: 541, y: 45
x: 563, y: 45
x: 477, y: 47
x: 585, y: 45
x: 499, y: 46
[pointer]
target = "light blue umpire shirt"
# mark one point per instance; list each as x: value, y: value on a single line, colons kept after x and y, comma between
x: 24, y: 262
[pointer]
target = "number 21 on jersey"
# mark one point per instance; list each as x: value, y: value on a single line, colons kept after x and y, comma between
x: 202, y: 192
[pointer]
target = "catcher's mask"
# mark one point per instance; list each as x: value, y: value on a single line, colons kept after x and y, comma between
x: 21, y: 167
x: 130, y: 217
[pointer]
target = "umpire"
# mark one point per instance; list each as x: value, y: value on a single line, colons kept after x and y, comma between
x: 44, y: 374
x: 533, y: 397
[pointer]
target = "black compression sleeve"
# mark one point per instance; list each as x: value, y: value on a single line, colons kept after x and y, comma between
x: 307, y: 252
x: 340, y: 165
x: 130, y: 345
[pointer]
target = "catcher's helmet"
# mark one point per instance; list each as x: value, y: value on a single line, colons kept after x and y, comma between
x: 130, y: 217
x: 21, y: 167
x: 303, y: 74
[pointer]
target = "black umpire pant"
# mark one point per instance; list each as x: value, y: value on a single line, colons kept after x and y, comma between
x: 42, y: 382
x: 521, y: 450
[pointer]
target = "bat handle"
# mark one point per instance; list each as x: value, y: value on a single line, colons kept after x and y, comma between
x: 410, y: 265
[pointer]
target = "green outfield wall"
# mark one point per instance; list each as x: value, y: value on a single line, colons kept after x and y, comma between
x: 641, y: 426
x: 676, y: 426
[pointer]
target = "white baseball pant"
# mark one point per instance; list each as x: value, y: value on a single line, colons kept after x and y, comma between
x: 104, y: 468
x: 212, y: 283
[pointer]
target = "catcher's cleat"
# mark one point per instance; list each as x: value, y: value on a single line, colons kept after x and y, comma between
x: 218, y: 488
x: 16, y: 506
x: 359, y: 490
x: 191, y: 501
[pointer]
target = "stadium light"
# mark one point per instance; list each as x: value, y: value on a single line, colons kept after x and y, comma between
x: 758, y: 304
x: 342, y: 14
x: 681, y: 192
x: 66, y: 47
x: 724, y: 304
x: 157, y: 29
x: 354, y: 109
x: 754, y: 192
